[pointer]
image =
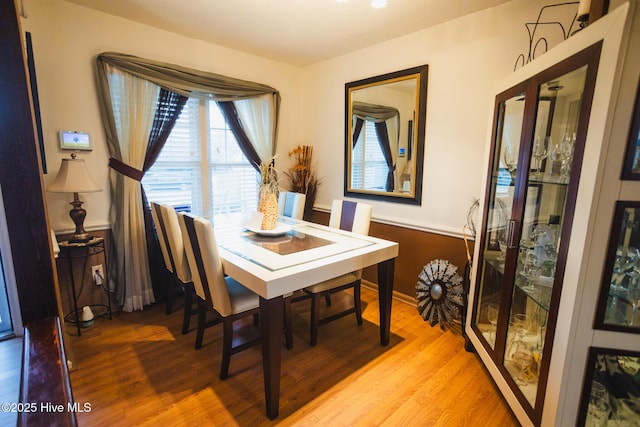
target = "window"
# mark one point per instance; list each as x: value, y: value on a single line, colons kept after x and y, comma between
x: 367, y: 151
x: 201, y: 168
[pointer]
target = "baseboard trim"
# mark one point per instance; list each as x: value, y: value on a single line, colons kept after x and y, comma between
x: 398, y: 296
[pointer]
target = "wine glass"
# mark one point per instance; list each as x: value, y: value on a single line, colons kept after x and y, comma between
x: 510, y: 157
x: 503, y: 250
x: 539, y: 152
x: 531, y: 271
x: 622, y: 264
x: 523, y: 358
x: 599, y: 390
x: 566, y: 155
x: 541, y: 326
x: 492, y: 317
x: 520, y: 323
x: 598, y: 412
x: 633, y: 294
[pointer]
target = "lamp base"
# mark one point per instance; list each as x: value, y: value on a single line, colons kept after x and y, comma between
x: 80, y: 238
x: 78, y: 214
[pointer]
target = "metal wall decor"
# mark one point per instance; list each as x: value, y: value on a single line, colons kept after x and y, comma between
x: 541, y: 41
x: 440, y: 293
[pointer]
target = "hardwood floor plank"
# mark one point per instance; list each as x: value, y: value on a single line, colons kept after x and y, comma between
x: 138, y: 369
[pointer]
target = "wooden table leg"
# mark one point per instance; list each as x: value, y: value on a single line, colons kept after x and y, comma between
x: 385, y: 292
x: 271, y: 328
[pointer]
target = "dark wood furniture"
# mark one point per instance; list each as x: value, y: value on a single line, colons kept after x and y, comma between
x: 45, y: 390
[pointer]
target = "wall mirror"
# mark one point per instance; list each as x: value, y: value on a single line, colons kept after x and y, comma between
x: 384, y: 136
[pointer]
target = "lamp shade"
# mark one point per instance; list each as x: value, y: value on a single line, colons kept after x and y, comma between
x: 73, y: 177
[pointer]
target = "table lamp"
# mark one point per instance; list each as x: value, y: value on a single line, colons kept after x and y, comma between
x: 73, y: 177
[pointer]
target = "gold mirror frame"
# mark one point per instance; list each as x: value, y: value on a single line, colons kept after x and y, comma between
x: 406, y: 152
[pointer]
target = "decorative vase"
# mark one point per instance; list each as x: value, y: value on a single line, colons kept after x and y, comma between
x: 268, y: 194
x: 268, y: 205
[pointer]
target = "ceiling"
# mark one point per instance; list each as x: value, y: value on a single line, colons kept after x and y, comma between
x: 297, y: 32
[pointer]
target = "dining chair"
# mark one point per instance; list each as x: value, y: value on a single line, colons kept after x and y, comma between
x: 227, y: 298
x: 172, y: 248
x: 349, y: 216
x: 291, y: 204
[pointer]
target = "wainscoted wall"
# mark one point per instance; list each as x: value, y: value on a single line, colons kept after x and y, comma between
x: 86, y: 289
x: 417, y: 248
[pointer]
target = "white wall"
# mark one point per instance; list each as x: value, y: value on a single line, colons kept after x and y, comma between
x: 66, y: 40
x: 465, y: 57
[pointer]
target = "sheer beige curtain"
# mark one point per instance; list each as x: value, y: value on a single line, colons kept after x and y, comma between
x: 128, y: 88
x: 258, y: 119
x: 133, y: 103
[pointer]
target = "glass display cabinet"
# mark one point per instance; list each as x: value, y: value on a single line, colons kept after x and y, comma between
x: 539, y: 133
x: 554, y: 165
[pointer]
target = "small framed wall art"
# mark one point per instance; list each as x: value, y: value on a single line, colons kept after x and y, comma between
x: 620, y: 290
x: 631, y: 169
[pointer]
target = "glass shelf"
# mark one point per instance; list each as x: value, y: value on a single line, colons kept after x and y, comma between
x: 546, y: 179
x: 539, y: 294
x: 542, y: 286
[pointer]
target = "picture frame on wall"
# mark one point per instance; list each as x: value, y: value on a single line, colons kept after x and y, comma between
x: 611, y: 389
x: 631, y: 169
x: 619, y: 301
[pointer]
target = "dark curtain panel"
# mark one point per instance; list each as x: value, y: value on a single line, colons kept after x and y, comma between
x: 231, y: 114
x: 383, y: 138
x: 168, y: 109
x: 357, y: 130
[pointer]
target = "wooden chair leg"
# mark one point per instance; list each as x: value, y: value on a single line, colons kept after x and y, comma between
x: 202, y: 315
x: 315, y: 320
x: 169, y: 290
x: 227, y: 342
x: 188, y: 308
x: 288, y: 324
x: 327, y: 298
x: 357, y: 302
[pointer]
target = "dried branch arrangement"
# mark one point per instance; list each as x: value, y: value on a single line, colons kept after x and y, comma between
x: 302, y: 176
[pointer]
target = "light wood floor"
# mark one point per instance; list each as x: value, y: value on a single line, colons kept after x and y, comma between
x: 138, y: 370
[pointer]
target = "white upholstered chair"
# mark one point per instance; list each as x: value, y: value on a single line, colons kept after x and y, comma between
x: 349, y: 216
x: 175, y: 260
x: 227, y: 298
x: 291, y: 204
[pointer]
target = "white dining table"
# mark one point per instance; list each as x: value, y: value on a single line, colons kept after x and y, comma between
x: 302, y: 254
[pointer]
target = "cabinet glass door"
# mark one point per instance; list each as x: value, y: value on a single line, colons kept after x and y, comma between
x: 510, y: 114
x: 547, y: 181
x: 538, y: 139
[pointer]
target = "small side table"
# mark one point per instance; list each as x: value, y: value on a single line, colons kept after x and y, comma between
x: 70, y: 251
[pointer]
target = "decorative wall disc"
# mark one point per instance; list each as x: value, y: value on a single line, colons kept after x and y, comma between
x: 440, y: 293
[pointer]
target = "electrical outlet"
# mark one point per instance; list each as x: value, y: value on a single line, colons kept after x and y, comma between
x: 97, y: 274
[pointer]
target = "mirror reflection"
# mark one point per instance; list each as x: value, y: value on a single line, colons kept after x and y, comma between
x: 385, y: 136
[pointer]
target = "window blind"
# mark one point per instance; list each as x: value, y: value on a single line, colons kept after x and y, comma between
x: 201, y: 168
x: 368, y: 152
